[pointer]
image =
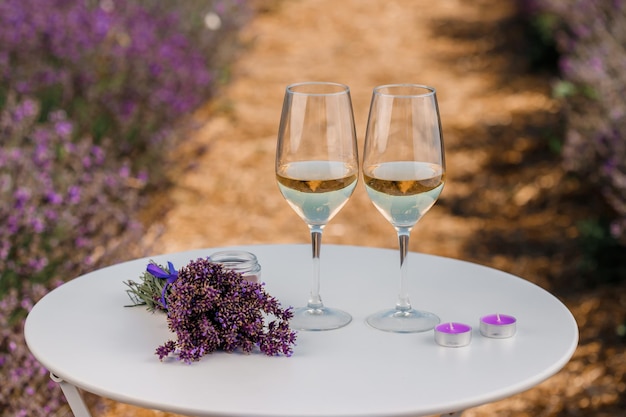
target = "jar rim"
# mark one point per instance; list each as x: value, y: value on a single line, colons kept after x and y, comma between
x: 232, y: 256
x: 239, y: 261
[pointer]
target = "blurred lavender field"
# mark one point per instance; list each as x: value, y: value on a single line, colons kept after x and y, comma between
x: 92, y: 97
x: 589, y: 37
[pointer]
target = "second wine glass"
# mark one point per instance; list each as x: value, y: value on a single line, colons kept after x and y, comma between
x: 404, y: 173
x: 317, y: 171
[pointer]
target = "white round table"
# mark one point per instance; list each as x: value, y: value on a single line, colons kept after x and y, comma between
x: 83, y: 333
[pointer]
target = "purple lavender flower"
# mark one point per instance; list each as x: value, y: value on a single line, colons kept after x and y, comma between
x: 63, y: 128
x: 73, y: 194
x: 28, y: 108
x: 170, y: 276
x: 213, y: 308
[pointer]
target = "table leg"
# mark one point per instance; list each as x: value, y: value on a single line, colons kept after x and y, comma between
x: 74, y: 397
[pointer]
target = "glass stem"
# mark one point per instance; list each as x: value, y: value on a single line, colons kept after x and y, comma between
x: 315, y: 301
x: 403, y: 303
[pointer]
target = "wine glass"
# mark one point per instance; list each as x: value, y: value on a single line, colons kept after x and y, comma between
x: 404, y: 173
x: 317, y: 170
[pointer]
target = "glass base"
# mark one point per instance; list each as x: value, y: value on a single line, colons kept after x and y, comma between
x: 318, y: 318
x: 403, y: 321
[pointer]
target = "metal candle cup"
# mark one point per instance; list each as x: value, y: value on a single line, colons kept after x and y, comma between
x: 453, y: 334
x: 498, y: 326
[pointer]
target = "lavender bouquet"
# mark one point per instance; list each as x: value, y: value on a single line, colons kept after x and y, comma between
x: 212, y: 308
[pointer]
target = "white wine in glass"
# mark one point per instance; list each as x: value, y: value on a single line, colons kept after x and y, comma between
x: 317, y: 171
x: 404, y: 173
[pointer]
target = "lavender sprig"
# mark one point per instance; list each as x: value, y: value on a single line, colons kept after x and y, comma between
x: 212, y: 308
x: 152, y: 289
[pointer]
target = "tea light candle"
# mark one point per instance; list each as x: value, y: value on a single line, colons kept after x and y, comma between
x: 498, y: 326
x: 453, y: 334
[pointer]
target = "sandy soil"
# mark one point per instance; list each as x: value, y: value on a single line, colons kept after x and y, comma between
x: 507, y: 203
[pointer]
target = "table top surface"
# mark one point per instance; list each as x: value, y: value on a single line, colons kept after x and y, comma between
x: 82, y: 332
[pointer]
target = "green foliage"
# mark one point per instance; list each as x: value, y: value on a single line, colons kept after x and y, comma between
x: 602, y: 253
x: 146, y: 292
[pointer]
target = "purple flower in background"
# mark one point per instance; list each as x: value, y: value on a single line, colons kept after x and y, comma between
x: 38, y: 226
x: 21, y: 196
x: 98, y: 154
x: 38, y: 264
x: 73, y: 194
x: 124, y: 171
x: 102, y: 22
x: 63, y: 128
x: 28, y: 108
x: 54, y: 198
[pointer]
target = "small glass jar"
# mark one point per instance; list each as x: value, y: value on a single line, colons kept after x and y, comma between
x: 242, y: 262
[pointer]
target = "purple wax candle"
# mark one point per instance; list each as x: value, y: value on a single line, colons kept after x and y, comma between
x: 453, y: 334
x: 498, y: 326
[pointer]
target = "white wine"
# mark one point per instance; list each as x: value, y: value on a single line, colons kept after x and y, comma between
x: 404, y: 191
x: 317, y: 190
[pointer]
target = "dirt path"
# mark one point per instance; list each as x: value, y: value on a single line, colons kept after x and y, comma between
x: 493, y: 210
x: 228, y: 195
